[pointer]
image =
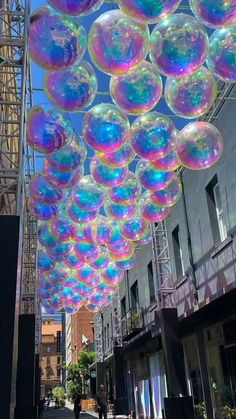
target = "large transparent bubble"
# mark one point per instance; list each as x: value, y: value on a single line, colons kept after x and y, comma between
x: 92, y: 308
x: 75, y: 7
x: 149, y: 11
x: 85, y: 250
x: 105, y: 175
x: 121, y: 251
x: 42, y: 191
x: 134, y: 228
x: 55, y: 41
x: 126, y: 193
x: 221, y: 59
x: 116, y: 236
x: 88, y: 194
x: 119, y: 212
x: 59, y: 252
x: 98, y: 231
x: 102, y: 260
x: 152, y: 135
x: 118, y: 158
x: 145, y: 239
x: 214, y: 13
x: 152, y: 178
x: 47, y: 130
x: 149, y: 210
x: 83, y: 290
x: 199, y: 145
x: 61, y: 179
x: 127, y: 263
x: 86, y: 274
x: 117, y: 43
x: 191, y: 96
x: 44, y: 263
x: 78, y: 215
x: 168, y: 163
x: 46, y: 237
x: 72, y: 89
x: 74, y: 261
x: 98, y: 298
x: 179, y: 45
x: 62, y: 229
x: 67, y: 159
x: 169, y: 196
x: 112, y: 275
x: 105, y: 128
x: 41, y: 211
x: 138, y: 91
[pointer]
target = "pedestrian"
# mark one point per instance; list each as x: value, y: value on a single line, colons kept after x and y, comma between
x: 101, y: 402
x: 41, y: 407
x: 77, y: 406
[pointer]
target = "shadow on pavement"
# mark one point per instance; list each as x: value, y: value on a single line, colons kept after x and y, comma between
x: 64, y: 413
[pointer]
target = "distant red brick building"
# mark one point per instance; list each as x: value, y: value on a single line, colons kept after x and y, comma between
x: 81, y: 332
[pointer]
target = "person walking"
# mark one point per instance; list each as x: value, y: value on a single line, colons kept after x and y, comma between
x: 101, y: 402
x: 77, y: 406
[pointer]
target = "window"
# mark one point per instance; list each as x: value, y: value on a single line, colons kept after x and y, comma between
x: 134, y: 295
x: 216, y: 213
x: 48, y: 373
x: 123, y: 306
x: 151, y: 282
x: 58, y: 360
x: 48, y: 349
x: 59, y: 341
x: 58, y: 372
x: 48, y: 360
x: 179, y: 266
x: 108, y: 336
x: 105, y: 338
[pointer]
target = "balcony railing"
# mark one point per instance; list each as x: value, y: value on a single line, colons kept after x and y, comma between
x: 132, y: 322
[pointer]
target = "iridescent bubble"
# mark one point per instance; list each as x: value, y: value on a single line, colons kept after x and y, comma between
x: 222, y: 56
x: 152, y: 135
x: 191, y: 96
x: 78, y: 215
x: 108, y: 301
x: 46, y: 237
x: 214, y: 13
x: 65, y: 294
x: 63, y: 229
x: 47, y: 129
x: 86, y: 274
x: 97, y: 298
x: 95, y: 281
x: 102, y: 260
x: 88, y: 194
x: 71, y: 281
x: 66, y: 159
x: 152, y: 178
x: 135, y: 228
x: 55, y: 41
x: 57, y: 275
x: 98, y: 231
x: 73, y: 261
x: 72, y: 89
x: 127, y: 263
x: 112, y: 275
x: 126, y: 193
x: 150, y: 211
x: 76, y: 301
x: 44, y: 293
x: 145, y: 239
x: 169, y: 196
x: 41, y: 211
x: 59, y: 252
x: 83, y: 290
x: 70, y: 310
x: 122, y: 251
x: 44, y: 263
x: 179, y: 45
x: 138, y: 91
x: 117, y: 43
x: 92, y: 308
x: 43, y: 279
x: 105, y: 128
x: 85, y: 250
x: 61, y: 179
x: 168, y: 163
x: 199, y: 145
x: 149, y: 11
x: 105, y: 175
x: 42, y: 191
x: 118, y: 158
x: 119, y: 212
x: 76, y: 7
x: 116, y: 236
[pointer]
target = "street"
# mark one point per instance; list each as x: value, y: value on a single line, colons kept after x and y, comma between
x: 64, y: 413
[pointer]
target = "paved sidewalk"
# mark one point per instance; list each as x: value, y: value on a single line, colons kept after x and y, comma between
x: 66, y: 413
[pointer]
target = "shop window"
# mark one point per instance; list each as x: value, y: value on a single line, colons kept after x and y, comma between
x: 193, y: 371
x: 151, y: 283
x: 216, y: 212
x: 58, y: 360
x: 178, y: 255
x: 134, y: 295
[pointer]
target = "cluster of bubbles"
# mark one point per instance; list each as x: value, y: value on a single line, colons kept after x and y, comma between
x: 91, y: 221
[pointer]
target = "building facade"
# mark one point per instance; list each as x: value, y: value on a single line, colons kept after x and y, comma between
x: 51, y: 356
x: 81, y: 331
x: 178, y: 312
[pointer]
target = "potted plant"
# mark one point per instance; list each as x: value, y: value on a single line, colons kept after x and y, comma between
x: 201, y: 410
x: 228, y: 412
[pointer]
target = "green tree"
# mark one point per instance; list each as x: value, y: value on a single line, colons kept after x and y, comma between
x: 85, y: 359
x: 78, y: 374
x: 59, y: 394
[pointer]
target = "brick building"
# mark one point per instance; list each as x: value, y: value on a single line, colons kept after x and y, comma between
x: 51, y: 355
x: 81, y: 332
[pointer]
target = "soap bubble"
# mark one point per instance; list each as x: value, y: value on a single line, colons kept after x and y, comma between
x: 92, y: 308
x: 95, y: 281
x: 221, y: 59
x: 67, y: 158
x: 72, y: 89
x: 214, y: 13
x: 59, y: 252
x: 117, y: 211
x: 108, y: 301
x: 46, y: 237
x: 145, y: 239
x: 74, y: 261
x: 47, y: 130
x: 152, y: 178
x: 102, y: 260
x: 42, y: 191
x: 76, y: 7
x: 121, y: 251
x: 138, y: 91
x: 57, y: 275
x: 88, y: 194
x: 55, y: 41
x: 41, y: 211
x: 116, y: 236
x: 86, y: 274
x: 118, y: 158
x: 168, y: 163
x: 61, y: 179
x: 97, y: 298
x: 85, y: 250
x: 105, y: 128
x: 191, y: 96
x: 98, y: 231
x: 78, y: 215
x: 44, y: 263
x: 169, y: 196
x: 105, y: 289
x: 62, y: 229
x: 134, y: 228
x: 179, y: 45
x: 112, y: 275
x: 149, y: 11
x: 152, y: 135
x: 105, y: 175
x: 150, y: 211
x: 127, y: 263
x: 126, y: 193
x: 117, y: 43
x: 83, y: 290
x: 199, y: 145
x: 43, y: 279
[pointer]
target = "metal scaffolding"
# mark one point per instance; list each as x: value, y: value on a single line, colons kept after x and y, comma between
x: 17, y: 163
x: 98, y: 337
x: 116, y: 320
